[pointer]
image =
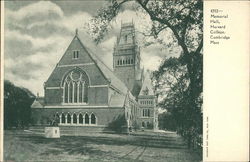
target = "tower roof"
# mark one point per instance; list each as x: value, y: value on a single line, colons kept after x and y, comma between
x: 147, y: 87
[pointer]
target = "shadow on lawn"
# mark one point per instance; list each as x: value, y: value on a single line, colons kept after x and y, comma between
x: 82, y: 144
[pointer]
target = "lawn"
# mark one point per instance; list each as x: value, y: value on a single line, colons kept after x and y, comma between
x: 141, y: 146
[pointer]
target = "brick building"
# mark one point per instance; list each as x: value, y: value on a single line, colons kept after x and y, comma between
x: 83, y: 93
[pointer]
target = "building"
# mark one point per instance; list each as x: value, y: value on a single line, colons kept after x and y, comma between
x: 82, y: 93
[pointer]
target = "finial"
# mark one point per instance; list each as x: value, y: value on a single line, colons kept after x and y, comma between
x: 76, y: 32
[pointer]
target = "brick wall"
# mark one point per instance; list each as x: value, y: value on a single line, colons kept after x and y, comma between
x: 104, y: 115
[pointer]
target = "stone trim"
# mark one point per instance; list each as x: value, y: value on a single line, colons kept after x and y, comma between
x: 75, y: 106
x: 53, y: 87
x: 99, y: 86
x: 70, y: 65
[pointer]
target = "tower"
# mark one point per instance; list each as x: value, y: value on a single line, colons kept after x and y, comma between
x: 126, y: 56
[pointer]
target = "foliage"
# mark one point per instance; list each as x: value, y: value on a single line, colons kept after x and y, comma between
x: 135, y: 124
x: 172, y: 83
x: 117, y: 124
x: 167, y: 122
x: 17, y: 102
x: 182, y: 89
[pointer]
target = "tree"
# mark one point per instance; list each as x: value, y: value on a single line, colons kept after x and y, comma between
x: 17, y: 102
x: 167, y: 121
x: 172, y: 84
x: 185, y: 21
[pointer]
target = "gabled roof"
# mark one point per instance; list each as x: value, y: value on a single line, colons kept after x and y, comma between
x: 106, y: 71
x: 147, y: 87
x: 38, y: 103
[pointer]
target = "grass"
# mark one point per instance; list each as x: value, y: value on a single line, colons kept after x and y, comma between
x: 142, y: 146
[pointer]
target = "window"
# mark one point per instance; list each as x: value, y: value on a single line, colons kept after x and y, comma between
x: 132, y: 61
x: 80, y: 119
x: 86, y: 119
x: 125, y: 38
x: 63, y: 119
x: 93, y: 119
x: 143, y: 124
x: 75, y: 54
x: 74, y: 119
x: 145, y: 112
x: 75, y: 87
x: 57, y: 118
x: 68, y: 119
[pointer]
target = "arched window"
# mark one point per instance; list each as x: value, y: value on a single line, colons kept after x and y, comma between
x: 74, y: 119
x: 57, y: 119
x: 86, y: 119
x: 148, y: 125
x: 63, y: 119
x: 80, y: 119
x: 68, y: 118
x: 123, y: 62
x: 125, y: 38
x: 143, y: 124
x: 132, y: 61
x: 70, y: 92
x: 66, y: 91
x: 76, y: 87
x: 128, y: 61
x: 93, y: 119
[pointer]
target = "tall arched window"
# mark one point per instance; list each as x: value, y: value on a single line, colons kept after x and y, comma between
x: 63, y: 119
x: 74, y: 119
x: 80, y: 119
x: 76, y: 87
x: 93, y: 119
x: 68, y: 118
x: 57, y: 119
x: 66, y: 92
x: 86, y: 119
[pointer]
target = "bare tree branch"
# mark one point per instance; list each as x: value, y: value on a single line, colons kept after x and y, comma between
x: 163, y: 21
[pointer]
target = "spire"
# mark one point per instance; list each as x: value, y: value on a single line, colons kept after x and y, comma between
x: 147, y: 87
x: 76, y: 32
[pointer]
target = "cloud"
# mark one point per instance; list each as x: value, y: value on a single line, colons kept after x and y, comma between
x: 36, y: 37
x: 33, y: 11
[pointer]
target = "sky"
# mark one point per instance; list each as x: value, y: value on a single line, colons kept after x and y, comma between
x: 37, y: 33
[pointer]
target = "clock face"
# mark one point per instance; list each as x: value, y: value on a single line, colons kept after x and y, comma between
x: 75, y: 75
